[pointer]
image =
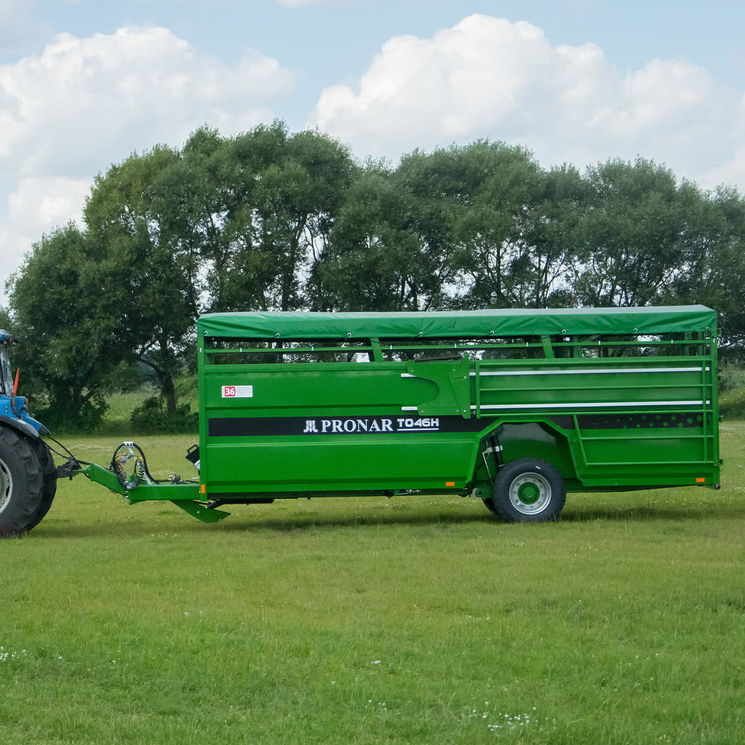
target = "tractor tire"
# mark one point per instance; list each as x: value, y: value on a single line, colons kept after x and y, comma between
x: 21, y: 484
x: 49, y: 475
x: 528, y: 490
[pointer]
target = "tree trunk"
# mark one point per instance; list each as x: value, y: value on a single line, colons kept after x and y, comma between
x: 167, y: 387
x: 168, y: 390
x: 164, y: 372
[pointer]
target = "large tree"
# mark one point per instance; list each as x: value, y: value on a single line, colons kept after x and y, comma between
x: 640, y: 234
x: 376, y: 258
x: 716, y: 272
x: 263, y: 204
x: 66, y: 317
x: 136, y: 216
x: 497, y: 230
x: 224, y: 224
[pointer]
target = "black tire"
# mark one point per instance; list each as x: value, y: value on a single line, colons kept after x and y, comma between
x: 21, y: 484
x: 489, y: 504
x: 49, y: 476
x: 528, y: 490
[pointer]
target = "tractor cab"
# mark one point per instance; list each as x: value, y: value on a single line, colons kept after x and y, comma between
x: 13, y: 407
x: 6, y: 376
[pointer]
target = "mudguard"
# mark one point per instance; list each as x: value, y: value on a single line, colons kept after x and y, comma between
x: 19, y: 426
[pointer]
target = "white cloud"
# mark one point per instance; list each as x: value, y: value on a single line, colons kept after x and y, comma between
x: 83, y: 103
x: 732, y: 171
x: 34, y: 208
x: 489, y: 77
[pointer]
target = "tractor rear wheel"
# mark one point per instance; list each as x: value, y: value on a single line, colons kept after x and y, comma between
x: 21, y: 484
x: 49, y: 475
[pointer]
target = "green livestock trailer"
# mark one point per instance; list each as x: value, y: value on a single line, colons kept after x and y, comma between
x: 514, y: 407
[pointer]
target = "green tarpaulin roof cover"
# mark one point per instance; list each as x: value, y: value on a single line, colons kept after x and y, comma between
x: 505, y: 322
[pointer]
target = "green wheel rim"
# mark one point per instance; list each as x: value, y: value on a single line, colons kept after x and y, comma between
x: 528, y: 492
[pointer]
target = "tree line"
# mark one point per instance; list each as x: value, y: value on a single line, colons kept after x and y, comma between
x: 269, y: 219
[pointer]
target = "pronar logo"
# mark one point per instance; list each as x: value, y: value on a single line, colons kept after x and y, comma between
x: 370, y: 425
x: 237, y: 391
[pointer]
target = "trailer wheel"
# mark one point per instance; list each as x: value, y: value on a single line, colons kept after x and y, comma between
x: 21, y: 484
x: 49, y: 478
x: 528, y: 490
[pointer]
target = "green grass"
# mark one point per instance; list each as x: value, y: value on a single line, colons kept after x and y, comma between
x: 732, y: 403
x: 117, y: 418
x: 416, y: 620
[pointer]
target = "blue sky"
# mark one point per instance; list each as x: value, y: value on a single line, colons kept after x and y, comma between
x: 83, y: 83
x: 326, y: 38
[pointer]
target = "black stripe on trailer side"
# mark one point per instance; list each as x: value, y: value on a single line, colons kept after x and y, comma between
x: 365, y: 425
x: 341, y: 425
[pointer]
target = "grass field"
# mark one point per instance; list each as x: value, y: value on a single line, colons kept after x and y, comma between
x: 413, y: 620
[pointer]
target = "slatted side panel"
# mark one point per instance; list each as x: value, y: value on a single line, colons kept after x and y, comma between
x: 632, y: 420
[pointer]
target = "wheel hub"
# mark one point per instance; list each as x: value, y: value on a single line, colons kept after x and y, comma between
x: 528, y: 493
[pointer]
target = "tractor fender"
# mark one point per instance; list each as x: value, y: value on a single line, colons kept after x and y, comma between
x: 19, y: 426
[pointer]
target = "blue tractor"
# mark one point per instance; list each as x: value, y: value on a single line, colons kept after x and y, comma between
x: 28, y: 476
